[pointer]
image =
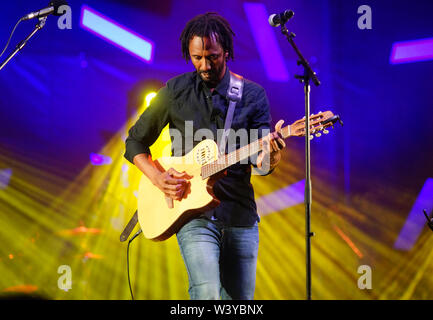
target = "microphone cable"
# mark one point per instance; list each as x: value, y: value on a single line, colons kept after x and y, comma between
x: 10, y: 37
x: 127, y: 261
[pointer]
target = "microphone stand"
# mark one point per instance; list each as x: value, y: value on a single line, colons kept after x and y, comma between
x: 21, y: 45
x: 305, y: 78
x: 429, y: 220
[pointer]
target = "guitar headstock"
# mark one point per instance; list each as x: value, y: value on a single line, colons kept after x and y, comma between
x: 318, y: 123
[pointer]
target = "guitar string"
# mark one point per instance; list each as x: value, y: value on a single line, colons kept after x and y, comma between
x: 239, y: 154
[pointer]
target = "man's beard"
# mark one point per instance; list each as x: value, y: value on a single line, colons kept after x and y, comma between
x: 211, y: 78
x: 208, y: 76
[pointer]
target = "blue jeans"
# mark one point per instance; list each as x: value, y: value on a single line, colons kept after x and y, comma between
x: 220, y: 261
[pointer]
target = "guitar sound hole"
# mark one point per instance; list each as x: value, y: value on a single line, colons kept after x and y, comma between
x: 203, y: 155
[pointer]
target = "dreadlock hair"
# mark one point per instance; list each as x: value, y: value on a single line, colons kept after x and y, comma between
x: 207, y: 25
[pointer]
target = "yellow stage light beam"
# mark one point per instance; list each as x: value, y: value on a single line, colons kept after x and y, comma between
x: 40, y: 207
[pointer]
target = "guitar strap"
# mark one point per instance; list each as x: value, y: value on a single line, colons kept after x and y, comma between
x: 129, y: 227
x: 234, y: 95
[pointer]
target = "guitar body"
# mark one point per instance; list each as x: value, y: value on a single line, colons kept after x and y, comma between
x: 160, y: 219
x: 157, y: 220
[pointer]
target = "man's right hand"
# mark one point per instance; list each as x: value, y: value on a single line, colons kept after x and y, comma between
x: 173, y: 183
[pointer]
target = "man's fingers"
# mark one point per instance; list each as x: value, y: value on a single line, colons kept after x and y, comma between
x: 260, y: 159
x: 172, y: 187
x: 266, y: 145
x: 279, y: 143
x: 177, y: 174
x: 175, y: 195
x: 174, y: 177
x: 172, y: 181
x: 169, y: 180
x: 275, y: 145
x: 276, y: 142
x: 282, y: 143
x: 279, y: 125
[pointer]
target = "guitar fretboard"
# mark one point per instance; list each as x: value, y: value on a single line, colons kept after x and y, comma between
x: 225, y: 161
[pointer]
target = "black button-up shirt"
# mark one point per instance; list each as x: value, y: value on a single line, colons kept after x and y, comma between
x: 187, y: 98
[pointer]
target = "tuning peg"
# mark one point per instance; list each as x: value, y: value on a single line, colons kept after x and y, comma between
x: 318, y: 134
x: 311, y: 137
x: 325, y: 131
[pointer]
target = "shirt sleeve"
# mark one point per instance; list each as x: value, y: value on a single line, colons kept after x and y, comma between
x: 261, y: 118
x: 262, y: 121
x: 149, y: 126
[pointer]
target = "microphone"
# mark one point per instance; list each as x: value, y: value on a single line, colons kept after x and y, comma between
x: 52, y: 8
x: 280, y: 18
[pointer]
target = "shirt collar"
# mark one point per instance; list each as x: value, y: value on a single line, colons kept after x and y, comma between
x: 223, y: 86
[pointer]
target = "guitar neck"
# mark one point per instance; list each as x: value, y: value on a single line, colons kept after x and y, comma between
x: 226, y: 160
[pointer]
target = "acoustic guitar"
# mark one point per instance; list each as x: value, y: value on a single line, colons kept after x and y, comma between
x: 160, y: 217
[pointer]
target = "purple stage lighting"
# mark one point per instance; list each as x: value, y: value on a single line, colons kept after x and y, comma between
x: 99, y: 159
x: 412, y: 51
x: 116, y: 34
x: 266, y: 42
x: 281, y: 199
x: 416, y: 221
x: 5, y: 177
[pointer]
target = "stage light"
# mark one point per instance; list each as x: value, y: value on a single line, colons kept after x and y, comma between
x: 99, y: 159
x: 412, y: 51
x: 5, y: 176
x: 348, y: 241
x: 415, y: 222
x: 162, y: 146
x: 116, y: 34
x: 266, y: 42
x: 25, y: 288
x: 281, y: 199
x: 125, y: 175
x: 148, y: 98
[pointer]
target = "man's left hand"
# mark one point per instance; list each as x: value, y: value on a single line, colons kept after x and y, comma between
x: 272, y: 144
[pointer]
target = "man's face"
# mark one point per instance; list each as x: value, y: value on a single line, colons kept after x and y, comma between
x: 208, y: 58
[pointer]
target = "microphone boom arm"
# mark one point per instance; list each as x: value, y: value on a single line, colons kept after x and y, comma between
x: 309, y: 73
x: 21, y: 45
